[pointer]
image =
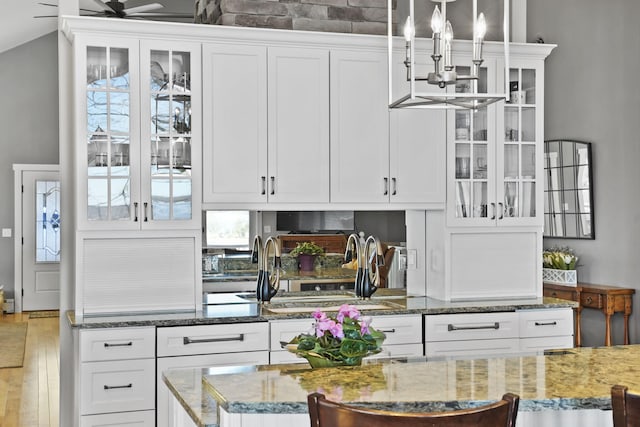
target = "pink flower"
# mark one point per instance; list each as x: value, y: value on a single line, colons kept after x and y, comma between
x: 329, y: 325
x: 349, y: 311
x: 364, y: 325
x: 319, y: 315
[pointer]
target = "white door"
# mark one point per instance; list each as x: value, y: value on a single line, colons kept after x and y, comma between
x: 41, y: 240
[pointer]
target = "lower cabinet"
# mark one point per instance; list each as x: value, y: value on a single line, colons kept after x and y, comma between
x: 205, y: 346
x: 404, y: 336
x: 117, y: 377
x: 503, y: 333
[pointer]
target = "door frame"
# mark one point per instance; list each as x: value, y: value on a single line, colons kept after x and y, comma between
x: 18, y: 170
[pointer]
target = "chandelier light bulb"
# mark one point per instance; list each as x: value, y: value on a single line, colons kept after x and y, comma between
x: 448, y: 32
x: 481, y: 28
x: 436, y: 21
x: 409, y: 31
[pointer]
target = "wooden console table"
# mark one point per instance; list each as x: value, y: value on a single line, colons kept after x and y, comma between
x: 608, y: 299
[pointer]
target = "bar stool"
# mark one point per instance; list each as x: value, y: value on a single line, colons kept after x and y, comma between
x: 626, y: 407
x: 325, y: 413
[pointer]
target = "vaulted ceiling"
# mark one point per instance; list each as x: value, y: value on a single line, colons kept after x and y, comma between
x: 18, y: 25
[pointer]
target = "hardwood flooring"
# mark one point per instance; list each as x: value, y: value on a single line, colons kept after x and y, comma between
x: 29, y: 396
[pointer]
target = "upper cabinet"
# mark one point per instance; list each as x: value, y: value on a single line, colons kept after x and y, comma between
x: 266, y: 124
x: 137, y: 153
x: 495, y: 153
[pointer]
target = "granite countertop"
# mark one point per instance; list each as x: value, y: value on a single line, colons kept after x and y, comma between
x: 241, y: 308
x: 579, y: 378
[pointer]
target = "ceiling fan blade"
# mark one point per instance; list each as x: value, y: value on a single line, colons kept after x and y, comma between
x: 142, y: 9
x: 162, y: 15
x: 48, y: 4
x: 102, y: 5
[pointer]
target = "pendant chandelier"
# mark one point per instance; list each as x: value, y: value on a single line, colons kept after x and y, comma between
x: 442, y: 80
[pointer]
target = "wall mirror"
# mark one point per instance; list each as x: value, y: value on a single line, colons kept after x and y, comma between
x: 568, y: 190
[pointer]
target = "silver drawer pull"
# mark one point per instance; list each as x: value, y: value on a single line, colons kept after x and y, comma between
x: 554, y: 323
x: 188, y: 340
x: 451, y: 327
x: 388, y: 331
x: 124, y: 344
x: 111, y: 387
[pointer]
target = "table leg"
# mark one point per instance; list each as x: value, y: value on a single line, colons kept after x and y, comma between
x: 578, y: 338
x: 607, y: 334
x: 626, y: 329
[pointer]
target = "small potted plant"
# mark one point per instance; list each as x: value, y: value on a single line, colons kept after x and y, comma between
x: 306, y: 253
x: 559, y: 266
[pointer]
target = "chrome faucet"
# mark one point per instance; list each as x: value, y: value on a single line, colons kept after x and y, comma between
x: 354, y: 250
x: 269, y: 284
x: 257, y: 258
x: 370, y: 284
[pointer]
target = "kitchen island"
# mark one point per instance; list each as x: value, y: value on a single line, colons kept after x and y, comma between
x: 560, y: 388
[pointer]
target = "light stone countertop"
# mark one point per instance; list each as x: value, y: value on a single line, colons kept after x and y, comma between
x: 579, y: 378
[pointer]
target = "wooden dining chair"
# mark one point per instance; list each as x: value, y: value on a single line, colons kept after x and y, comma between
x: 626, y: 407
x: 326, y: 413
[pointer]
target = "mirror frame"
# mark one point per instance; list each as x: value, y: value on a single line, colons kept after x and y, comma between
x: 568, y: 190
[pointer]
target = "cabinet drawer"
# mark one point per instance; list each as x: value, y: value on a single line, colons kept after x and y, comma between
x: 474, y: 326
x: 285, y: 330
x: 568, y: 295
x: 276, y: 357
x: 591, y: 300
x: 205, y: 339
x: 117, y: 344
x: 472, y: 348
x: 546, y: 323
x: 545, y: 343
x: 117, y: 386
x: 399, y: 350
x: 120, y: 419
x: 399, y: 329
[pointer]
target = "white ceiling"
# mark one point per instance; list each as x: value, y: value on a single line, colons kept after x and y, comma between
x: 18, y: 25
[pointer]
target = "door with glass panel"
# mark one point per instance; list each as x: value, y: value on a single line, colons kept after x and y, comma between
x: 520, y: 157
x: 41, y: 222
x: 170, y: 134
x: 109, y: 139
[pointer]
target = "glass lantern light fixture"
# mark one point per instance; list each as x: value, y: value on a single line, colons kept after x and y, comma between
x: 444, y: 73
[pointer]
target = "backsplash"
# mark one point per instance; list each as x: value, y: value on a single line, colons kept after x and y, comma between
x: 238, y: 264
x: 338, y: 16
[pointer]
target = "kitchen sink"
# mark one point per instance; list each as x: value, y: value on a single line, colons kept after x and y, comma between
x: 327, y: 305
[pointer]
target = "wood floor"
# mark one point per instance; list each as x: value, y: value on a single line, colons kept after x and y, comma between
x: 29, y: 396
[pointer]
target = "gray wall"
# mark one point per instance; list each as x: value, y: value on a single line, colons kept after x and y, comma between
x: 29, y: 126
x: 592, y: 94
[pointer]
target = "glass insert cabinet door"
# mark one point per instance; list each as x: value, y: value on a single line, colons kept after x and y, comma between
x: 108, y: 134
x: 471, y: 173
x: 519, y: 154
x: 169, y: 146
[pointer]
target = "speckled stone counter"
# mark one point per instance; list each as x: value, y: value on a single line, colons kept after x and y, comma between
x: 575, y: 380
x: 239, y: 308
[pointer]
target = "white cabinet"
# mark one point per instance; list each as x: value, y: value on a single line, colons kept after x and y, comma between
x: 266, y: 127
x: 502, y: 333
x: 207, y: 346
x: 137, y: 138
x: 494, y: 158
x: 117, y: 376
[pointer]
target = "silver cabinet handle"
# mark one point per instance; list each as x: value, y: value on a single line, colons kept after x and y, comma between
x: 501, y: 209
x: 554, y: 323
x: 264, y: 185
x: 145, y: 204
x: 394, y: 186
x: 124, y: 344
x: 493, y: 210
x: 135, y: 211
x: 386, y: 186
x: 187, y: 340
x: 273, y: 185
x: 388, y: 331
x: 111, y: 387
x: 451, y: 327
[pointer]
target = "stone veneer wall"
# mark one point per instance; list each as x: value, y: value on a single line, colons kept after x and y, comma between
x: 340, y: 16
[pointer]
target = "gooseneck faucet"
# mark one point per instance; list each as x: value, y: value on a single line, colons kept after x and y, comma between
x: 354, y: 250
x: 268, y: 286
x: 372, y: 251
x: 257, y: 258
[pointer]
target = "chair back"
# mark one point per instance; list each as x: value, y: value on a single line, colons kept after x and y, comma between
x: 325, y: 413
x: 626, y: 407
